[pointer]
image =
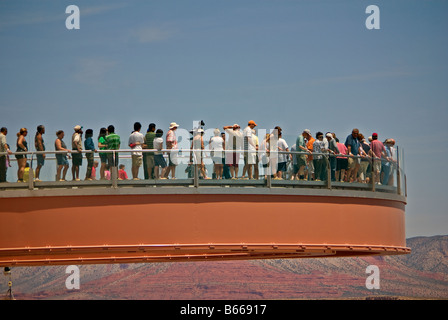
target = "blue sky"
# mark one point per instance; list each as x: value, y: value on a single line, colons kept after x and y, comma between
x: 297, y: 64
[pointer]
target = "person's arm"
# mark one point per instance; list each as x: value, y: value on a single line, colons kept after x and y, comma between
x: 20, y: 143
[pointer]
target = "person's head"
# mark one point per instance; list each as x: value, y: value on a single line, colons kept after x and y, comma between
x: 152, y: 127
x: 121, y: 166
x: 22, y: 132
x: 103, y: 132
x: 252, y: 124
x: 216, y: 132
x: 60, y: 134
x: 111, y: 129
x: 89, y: 133
x: 329, y: 136
x: 159, y: 133
x: 173, y: 126
x: 137, y: 126
x: 360, y: 137
x: 306, y: 133
x: 319, y: 135
x: 78, y: 129
x: 374, y: 136
x: 355, y: 133
x: 236, y: 127
x: 4, y: 131
x: 95, y: 163
x: 41, y: 129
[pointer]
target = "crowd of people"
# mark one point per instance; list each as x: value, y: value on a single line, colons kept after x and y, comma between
x: 322, y: 157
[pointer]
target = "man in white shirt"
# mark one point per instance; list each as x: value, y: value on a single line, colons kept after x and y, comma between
x: 233, y: 144
x: 249, y: 149
x: 136, y: 141
x: 282, y: 157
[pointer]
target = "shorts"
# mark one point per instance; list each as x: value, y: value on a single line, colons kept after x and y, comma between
x: 217, y: 160
x: 172, y: 158
x: 111, y: 161
x: 61, y: 159
x: 40, y: 159
x: 281, y: 166
x: 341, y: 164
x: 232, y: 159
x: 137, y: 161
x: 352, y: 162
x: 250, y: 157
x: 77, y: 159
x: 301, y: 160
x: 149, y: 160
x: 103, y: 157
x: 159, y: 160
x: 377, y: 165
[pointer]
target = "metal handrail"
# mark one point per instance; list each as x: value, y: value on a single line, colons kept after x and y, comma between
x: 184, y: 153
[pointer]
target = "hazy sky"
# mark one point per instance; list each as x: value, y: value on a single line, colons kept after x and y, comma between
x: 298, y: 64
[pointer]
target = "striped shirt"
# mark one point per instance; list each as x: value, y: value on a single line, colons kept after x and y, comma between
x: 113, y: 141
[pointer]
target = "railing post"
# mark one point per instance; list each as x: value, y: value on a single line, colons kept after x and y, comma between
x: 398, y: 173
x: 114, y: 173
x: 31, y: 175
x: 327, y: 163
x: 373, y: 174
x: 268, y: 174
x: 196, y: 176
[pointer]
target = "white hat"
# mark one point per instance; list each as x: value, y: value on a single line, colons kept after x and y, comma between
x: 329, y: 135
x: 307, y: 131
x: 173, y: 125
x: 78, y: 127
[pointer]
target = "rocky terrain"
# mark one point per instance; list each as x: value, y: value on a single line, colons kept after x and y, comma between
x: 423, y: 274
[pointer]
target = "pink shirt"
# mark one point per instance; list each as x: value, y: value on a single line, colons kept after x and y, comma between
x: 342, y: 149
x: 377, y: 147
x: 171, y: 137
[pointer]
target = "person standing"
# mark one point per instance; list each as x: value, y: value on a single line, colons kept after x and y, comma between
x: 301, y: 159
x: 216, y: 146
x: 76, y: 156
x: 171, y: 144
x: 61, y: 158
x: 89, y: 145
x: 22, y: 146
x: 378, y: 151
x: 249, y: 149
x: 113, y: 143
x: 333, y: 151
x: 136, y: 141
x: 148, y: 157
x: 3, y: 148
x: 40, y: 146
x: 103, y: 156
x: 319, y: 161
x: 233, y: 144
x: 282, y: 157
x: 159, y: 161
x: 353, y: 150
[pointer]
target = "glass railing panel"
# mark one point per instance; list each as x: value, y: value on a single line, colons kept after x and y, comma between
x: 271, y: 169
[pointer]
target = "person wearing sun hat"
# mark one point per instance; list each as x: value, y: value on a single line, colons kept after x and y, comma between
x: 171, y: 143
